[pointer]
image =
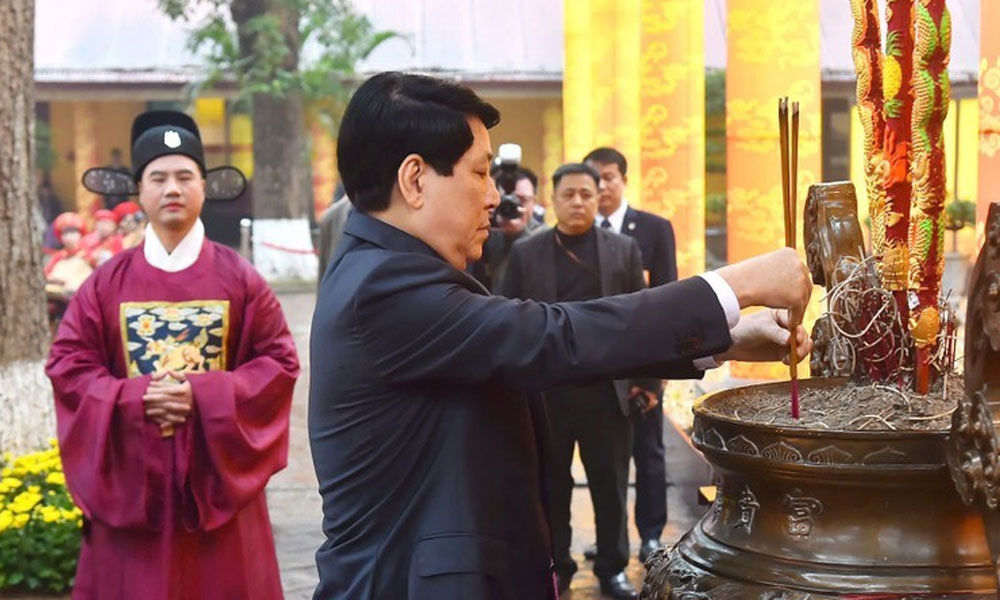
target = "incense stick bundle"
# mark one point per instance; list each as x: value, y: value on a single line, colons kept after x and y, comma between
x: 789, y: 179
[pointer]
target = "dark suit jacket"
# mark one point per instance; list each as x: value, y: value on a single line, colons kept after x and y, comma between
x: 531, y: 275
x: 489, y: 269
x: 655, y: 236
x: 424, y: 441
x: 331, y: 228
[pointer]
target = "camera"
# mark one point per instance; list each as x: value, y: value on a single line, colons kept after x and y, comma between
x: 508, y: 160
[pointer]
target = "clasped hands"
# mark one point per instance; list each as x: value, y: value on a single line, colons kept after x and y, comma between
x: 168, y: 399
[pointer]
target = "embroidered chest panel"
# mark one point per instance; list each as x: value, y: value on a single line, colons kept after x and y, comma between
x: 174, y: 336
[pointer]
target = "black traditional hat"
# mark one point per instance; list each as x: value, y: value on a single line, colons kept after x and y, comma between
x: 159, y: 133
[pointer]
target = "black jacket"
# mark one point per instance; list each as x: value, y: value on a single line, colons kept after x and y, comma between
x: 531, y: 275
x: 424, y: 441
x: 655, y: 236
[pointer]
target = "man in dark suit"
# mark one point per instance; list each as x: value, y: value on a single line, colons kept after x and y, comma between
x: 577, y: 261
x: 331, y: 229
x: 425, y: 444
x: 655, y: 236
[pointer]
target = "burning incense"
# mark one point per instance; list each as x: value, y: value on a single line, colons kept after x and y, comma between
x: 789, y: 176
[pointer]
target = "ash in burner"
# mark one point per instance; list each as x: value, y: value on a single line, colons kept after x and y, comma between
x: 853, y: 407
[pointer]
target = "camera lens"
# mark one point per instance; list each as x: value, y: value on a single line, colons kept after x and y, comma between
x: 509, y: 208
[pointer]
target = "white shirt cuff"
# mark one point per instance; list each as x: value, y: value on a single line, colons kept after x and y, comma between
x: 726, y: 296
x: 705, y: 363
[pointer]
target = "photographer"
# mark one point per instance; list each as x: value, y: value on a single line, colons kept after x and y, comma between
x: 512, y: 219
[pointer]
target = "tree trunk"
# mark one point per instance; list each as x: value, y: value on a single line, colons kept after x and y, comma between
x: 26, y: 411
x: 281, y: 186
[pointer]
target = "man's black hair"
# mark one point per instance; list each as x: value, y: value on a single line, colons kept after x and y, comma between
x: 393, y: 115
x: 526, y: 173
x: 575, y: 169
x: 608, y: 156
x: 522, y: 173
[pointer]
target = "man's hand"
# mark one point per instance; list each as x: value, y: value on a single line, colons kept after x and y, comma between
x: 777, y: 279
x: 648, y: 399
x: 763, y: 336
x: 168, y: 399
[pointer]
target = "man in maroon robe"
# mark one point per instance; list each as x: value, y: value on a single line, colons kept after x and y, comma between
x: 173, y: 372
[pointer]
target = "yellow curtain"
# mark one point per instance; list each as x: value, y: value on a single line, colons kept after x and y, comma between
x: 672, y: 126
x: 241, y: 142
x: 601, y: 82
x: 323, y: 165
x: 85, y: 156
x: 635, y: 80
x: 579, y: 88
x: 552, y: 153
x: 210, y: 115
x: 989, y: 111
x: 773, y: 51
x: 626, y: 79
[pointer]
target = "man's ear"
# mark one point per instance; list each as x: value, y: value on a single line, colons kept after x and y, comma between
x: 625, y: 179
x: 408, y: 178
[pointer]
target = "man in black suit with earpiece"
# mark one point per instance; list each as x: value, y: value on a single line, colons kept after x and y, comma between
x: 655, y: 237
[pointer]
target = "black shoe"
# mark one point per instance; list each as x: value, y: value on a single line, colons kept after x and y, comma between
x: 647, y: 548
x: 590, y: 552
x: 618, y: 587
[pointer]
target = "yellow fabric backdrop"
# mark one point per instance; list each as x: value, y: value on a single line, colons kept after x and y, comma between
x: 773, y: 51
x: 210, y: 115
x: 672, y: 125
x: 241, y: 142
x: 552, y: 153
x: 580, y: 89
x: 85, y: 156
x: 323, y: 165
x: 641, y: 89
x: 989, y: 110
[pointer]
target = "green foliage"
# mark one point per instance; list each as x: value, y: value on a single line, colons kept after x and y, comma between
x: 715, y: 91
x: 715, y: 112
x: 331, y: 39
x: 959, y: 214
x: 715, y: 209
x: 39, y: 524
x: 45, y: 156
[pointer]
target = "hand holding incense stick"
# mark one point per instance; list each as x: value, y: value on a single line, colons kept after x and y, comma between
x: 789, y: 176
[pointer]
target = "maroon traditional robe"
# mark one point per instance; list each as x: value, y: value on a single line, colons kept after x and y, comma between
x: 182, y: 516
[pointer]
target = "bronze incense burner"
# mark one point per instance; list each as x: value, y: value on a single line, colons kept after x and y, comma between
x: 805, y: 513
x: 824, y: 514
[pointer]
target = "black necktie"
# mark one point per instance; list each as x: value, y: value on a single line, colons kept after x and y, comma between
x: 605, y: 224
